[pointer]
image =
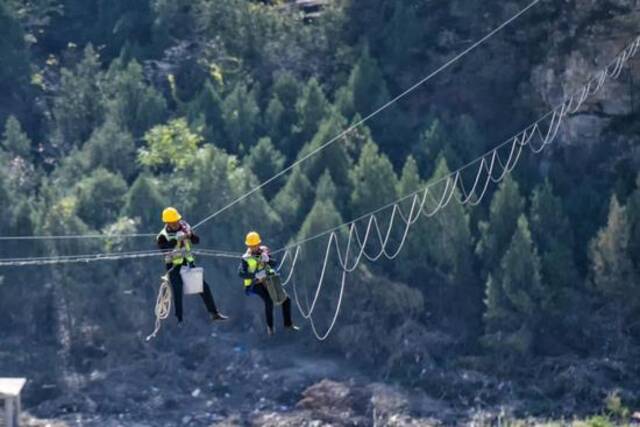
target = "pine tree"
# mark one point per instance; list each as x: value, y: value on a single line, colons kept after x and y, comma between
x: 506, y: 206
x: 514, y: 295
x: 132, y: 103
x: 208, y: 105
x: 334, y: 157
x: 633, y: 210
x: 367, y: 85
x: 611, y: 265
x: 100, y: 198
x: 112, y: 148
x: 144, y: 201
x: 293, y: 201
x: 326, y: 190
x: 613, y: 276
x: 312, y: 108
x: 241, y: 116
x: 367, y: 91
x: 374, y: 181
x: 412, y: 265
x: 281, y: 114
x: 552, y: 234
x: 264, y: 160
x: 434, y: 143
x: 14, y: 57
x: 322, y: 216
x: 14, y: 140
x: 79, y: 106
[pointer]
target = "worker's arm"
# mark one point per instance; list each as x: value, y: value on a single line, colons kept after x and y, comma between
x: 195, y: 239
x: 243, y: 271
x: 267, y: 258
x: 166, y: 245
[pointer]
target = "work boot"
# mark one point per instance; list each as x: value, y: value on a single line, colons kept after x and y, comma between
x: 218, y: 316
x: 293, y: 328
x: 270, y: 331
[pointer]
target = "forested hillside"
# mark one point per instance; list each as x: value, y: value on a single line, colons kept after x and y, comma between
x: 112, y: 110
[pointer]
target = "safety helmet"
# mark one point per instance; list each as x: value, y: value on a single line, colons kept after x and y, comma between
x: 171, y: 215
x: 253, y: 239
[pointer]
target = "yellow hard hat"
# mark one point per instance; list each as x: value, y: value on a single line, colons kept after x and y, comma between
x: 171, y: 215
x: 253, y: 239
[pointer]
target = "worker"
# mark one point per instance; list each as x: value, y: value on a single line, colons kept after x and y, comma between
x: 175, y: 240
x: 257, y: 263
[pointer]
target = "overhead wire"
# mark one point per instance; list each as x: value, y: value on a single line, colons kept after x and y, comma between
x: 360, y: 122
x: 453, y: 184
x: 354, y: 126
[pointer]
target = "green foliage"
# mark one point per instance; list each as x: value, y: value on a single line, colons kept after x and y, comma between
x: 506, y: 207
x: 333, y: 158
x: 14, y: 140
x: 616, y: 408
x: 448, y: 241
x: 312, y: 108
x: 264, y: 160
x: 293, y: 201
x: 108, y: 23
x: 133, y: 104
x: 208, y: 105
x: 241, y: 118
x: 100, y: 198
x: 326, y: 190
x: 112, y: 148
x: 61, y: 218
x: 14, y: 55
x: 552, y: 234
x: 366, y: 87
x: 613, y: 273
x: 374, y: 181
x: 514, y: 293
x: 170, y: 146
x: 633, y: 210
x: 434, y: 142
x: 144, y: 201
x: 78, y: 107
x: 213, y: 179
x: 599, y: 421
x: 281, y: 113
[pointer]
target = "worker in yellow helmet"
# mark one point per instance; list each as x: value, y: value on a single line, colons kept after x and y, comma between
x: 257, y: 263
x: 175, y: 239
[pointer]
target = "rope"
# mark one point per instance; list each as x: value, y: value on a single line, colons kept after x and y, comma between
x: 453, y: 184
x: 371, y: 115
x: 163, y: 304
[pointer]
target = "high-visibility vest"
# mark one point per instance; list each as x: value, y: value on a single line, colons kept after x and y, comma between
x: 254, y: 265
x: 183, y: 248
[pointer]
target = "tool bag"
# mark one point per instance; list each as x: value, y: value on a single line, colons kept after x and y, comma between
x: 275, y: 289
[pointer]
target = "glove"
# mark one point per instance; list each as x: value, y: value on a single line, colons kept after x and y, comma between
x: 261, y: 275
x: 181, y: 235
x: 264, y: 257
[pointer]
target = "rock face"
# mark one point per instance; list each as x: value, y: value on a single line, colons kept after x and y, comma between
x: 590, y: 35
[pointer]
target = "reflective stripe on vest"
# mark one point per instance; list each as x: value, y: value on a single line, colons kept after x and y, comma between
x: 254, y: 264
x: 184, y: 249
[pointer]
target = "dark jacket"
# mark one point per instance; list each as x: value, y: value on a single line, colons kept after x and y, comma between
x: 164, y: 244
x: 243, y: 269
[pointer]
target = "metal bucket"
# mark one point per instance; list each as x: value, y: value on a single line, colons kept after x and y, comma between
x: 192, y: 280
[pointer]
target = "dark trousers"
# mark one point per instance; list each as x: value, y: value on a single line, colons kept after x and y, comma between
x: 176, y: 286
x: 260, y: 290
